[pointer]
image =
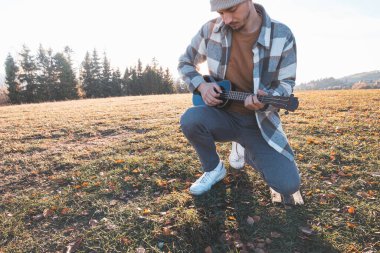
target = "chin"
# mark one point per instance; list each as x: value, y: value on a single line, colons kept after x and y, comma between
x: 236, y: 27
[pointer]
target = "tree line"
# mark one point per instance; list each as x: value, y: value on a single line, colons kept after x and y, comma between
x: 50, y: 76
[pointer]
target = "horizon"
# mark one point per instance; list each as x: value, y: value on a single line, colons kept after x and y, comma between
x: 328, y: 38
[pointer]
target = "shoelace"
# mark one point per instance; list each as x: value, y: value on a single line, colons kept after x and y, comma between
x: 205, y: 177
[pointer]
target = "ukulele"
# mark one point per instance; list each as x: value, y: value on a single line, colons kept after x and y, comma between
x: 228, y: 94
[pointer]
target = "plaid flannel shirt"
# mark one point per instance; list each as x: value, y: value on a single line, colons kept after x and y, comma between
x: 274, y: 71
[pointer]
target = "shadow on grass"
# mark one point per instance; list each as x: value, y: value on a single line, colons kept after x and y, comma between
x: 225, y: 209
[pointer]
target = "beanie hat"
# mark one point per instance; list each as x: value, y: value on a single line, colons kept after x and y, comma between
x: 217, y: 5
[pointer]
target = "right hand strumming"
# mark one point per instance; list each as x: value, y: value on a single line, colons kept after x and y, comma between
x: 210, y: 93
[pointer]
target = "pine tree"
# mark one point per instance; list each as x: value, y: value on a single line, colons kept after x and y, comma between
x: 46, y: 79
x: 28, y: 75
x: 126, y: 81
x: 68, y: 75
x: 96, y: 73
x: 168, y: 82
x: 106, y: 82
x: 67, y: 83
x: 14, y: 87
x: 139, y: 68
x: 116, y: 84
x: 86, y: 77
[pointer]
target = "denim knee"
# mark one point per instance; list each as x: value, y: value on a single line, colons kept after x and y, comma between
x: 189, y: 120
x: 290, y: 186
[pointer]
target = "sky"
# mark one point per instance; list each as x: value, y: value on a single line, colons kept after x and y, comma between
x: 334, y: 38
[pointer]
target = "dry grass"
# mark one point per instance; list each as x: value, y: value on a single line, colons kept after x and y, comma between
x: 3, y: 96
x: 111, y: 175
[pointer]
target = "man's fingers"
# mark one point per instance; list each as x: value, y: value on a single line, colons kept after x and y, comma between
x: 217, y: 88
x: 255, y: 100
x: 212, y: 97
x: 212, y: 100
x: 252, y: 103
x: 262, y: 93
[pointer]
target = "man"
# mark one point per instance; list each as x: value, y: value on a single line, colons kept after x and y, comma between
x: 258, y: 54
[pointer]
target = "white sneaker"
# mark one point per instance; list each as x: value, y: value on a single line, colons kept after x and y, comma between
x: 236, y: 157
x: 208, y: 179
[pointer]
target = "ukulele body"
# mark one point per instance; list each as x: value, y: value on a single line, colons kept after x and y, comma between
x: 225, y: 85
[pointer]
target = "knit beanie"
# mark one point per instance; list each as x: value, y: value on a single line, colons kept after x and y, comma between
x: 217, y: 5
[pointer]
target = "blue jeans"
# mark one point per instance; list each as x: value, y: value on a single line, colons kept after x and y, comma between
x: 205, y: 125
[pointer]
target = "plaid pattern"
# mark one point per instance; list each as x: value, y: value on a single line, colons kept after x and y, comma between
x: 274, y: 67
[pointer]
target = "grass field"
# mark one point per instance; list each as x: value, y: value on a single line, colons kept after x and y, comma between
x: 112, y: 175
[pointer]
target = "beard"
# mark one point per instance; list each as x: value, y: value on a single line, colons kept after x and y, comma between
x: 239, y: 25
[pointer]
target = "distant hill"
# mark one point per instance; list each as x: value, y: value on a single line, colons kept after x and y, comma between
x: 371, y: 78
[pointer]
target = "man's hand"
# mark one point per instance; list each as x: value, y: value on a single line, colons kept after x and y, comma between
x: 252, y: 103
x: 210, y: 93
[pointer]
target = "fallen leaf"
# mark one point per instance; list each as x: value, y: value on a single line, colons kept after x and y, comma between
x: 47, y: 212
x: 73, y: 246
x: 166, y: 231
x: 93, y: 222
x: 65, y: 210
x: 140, y: 250
x: 38, y: 217
x: 250, y: 220
x: 351, y: 210
x: 275, y: 235
x: 208, y: 250
x: 238, y: 244
x: 227, y: 180
x: 172, y: 180
x: 69, y: 230
x: 306, y: 230
x: 256, y: 218
x: 146, y: 211
x: 331, y: 195
x: 127, y: 179
x: 311, y: 140
x: 161, y: 183
x: 227, y: 237
x: 309, y: 193
x: 118, y: 161
x: 125, y: 241
x: 351, y: 225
